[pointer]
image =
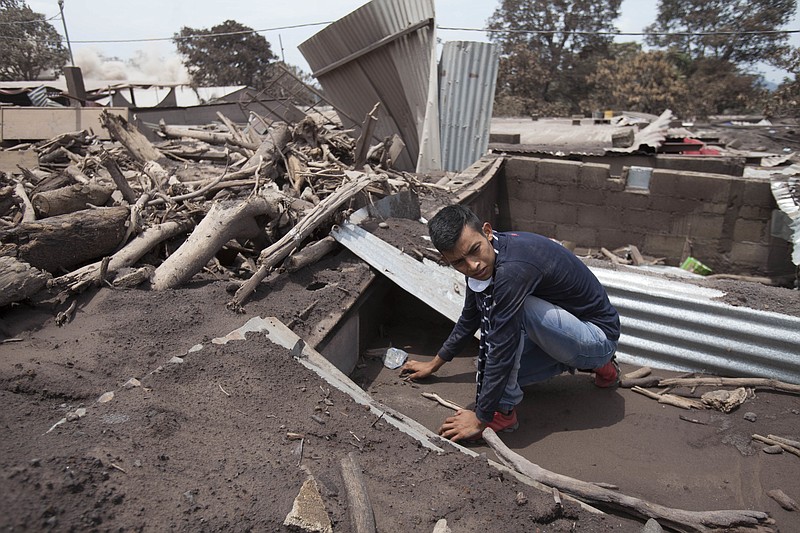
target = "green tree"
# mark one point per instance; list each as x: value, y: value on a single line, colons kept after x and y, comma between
x: 549, y: 47
x: 227, y: 54
x: 30, y: 43
x: 690, y: 23
x: 649, y: 82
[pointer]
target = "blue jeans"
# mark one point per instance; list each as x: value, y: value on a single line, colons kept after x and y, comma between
x: 553, y: 341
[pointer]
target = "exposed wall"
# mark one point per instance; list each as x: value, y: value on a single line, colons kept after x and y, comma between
x: 724, y: 219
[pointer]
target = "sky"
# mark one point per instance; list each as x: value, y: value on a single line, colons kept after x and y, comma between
x: 93, y: 20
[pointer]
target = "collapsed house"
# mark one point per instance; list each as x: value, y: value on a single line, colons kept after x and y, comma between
x: 244, y: 200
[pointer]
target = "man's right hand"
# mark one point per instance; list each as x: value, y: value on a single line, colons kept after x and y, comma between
x: 420, y: 369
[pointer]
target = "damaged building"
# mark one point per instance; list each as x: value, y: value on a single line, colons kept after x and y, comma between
x: 204, y: 294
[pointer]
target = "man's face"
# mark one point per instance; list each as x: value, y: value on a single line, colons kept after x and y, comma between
x: 473, y: 255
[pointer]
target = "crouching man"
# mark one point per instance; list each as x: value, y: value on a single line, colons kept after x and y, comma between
x: 540, y: 310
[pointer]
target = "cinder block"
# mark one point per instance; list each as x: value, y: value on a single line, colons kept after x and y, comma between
x: 504, y: 138
x: 754, y: 212
x: 544, y: 228
x: 751, y: 231
x: 750, y: 254
x: 645, y: 220
x: 522, y: 188
x: 714, y: 208
x: 523, y: 224
x: 758, y: 193
x: 520, y: 209
x: 594, y: 176
x: 521, y: 167
x: 558, y: 172
x: 555, y: 212
x: 583, y: 196
x: 674, y: 205
x: 669, y: 246
x: 545, y: 192
x: 730, y: 166
x: 698, y: 225
x: 704, y: 187
x: 594, y: 216
x: 614, y: 238
x: 582, y: 236
x: 664, y: 182
x: 628, y: 200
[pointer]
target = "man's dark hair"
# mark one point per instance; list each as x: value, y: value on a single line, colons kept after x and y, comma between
x: 446, y: 226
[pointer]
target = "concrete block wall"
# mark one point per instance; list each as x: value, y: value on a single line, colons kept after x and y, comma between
x: 722, y: 220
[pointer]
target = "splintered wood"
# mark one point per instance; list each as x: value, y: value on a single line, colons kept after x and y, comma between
x: 222, y: 198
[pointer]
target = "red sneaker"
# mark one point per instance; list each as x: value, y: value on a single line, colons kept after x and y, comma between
x: 502, y: 422
x: 607, y: 375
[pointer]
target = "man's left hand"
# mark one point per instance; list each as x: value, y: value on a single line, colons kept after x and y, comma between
x: 464, y: 425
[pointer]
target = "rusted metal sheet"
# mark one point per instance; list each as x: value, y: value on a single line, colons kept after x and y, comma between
x: 384, y: 52
x: 467, y: 81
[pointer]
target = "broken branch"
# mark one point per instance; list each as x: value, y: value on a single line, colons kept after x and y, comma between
x: 678, y: 519
x: 756, y: 383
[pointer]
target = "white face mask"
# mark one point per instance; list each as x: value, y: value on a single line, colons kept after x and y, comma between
x: 478, y: 285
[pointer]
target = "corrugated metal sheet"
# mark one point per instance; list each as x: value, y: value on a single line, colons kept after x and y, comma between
x: 678, y: 326
x: 384, y: 52
x: 467, y: 81
x: 665, y: 324
x: 786, y: 190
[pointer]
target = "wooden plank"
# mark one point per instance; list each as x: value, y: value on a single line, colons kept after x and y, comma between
x: 9, y: 161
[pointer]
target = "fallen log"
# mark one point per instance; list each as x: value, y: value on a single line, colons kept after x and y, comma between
x: 310, y: 254
x: 755, y: 383
x: 269, y: 152
x: 19, y: 280
x: 64, y: 241
x: 678, y: 519
x: 292, y: 240
x: 127, y: 256
x: 70, y: 199
x: 210, y: 137
x: 225, y: 221
x: 362, y: 517
x: 130, y: 137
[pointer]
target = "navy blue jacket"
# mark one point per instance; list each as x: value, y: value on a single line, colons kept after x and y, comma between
x: 525, y: 264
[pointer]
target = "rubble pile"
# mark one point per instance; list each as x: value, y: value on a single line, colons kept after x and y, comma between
x: 119, y: 212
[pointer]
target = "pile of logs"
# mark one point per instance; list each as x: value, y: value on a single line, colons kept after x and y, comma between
x: 227, y: 200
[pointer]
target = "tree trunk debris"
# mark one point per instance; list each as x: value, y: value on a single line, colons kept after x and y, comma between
x: 677, y: 519
x: 93, y: 210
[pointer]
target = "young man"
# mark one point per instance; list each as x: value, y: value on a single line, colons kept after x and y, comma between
x: 541, y: 312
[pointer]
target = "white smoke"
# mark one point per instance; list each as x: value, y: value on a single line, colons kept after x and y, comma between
x: 146, y: 66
